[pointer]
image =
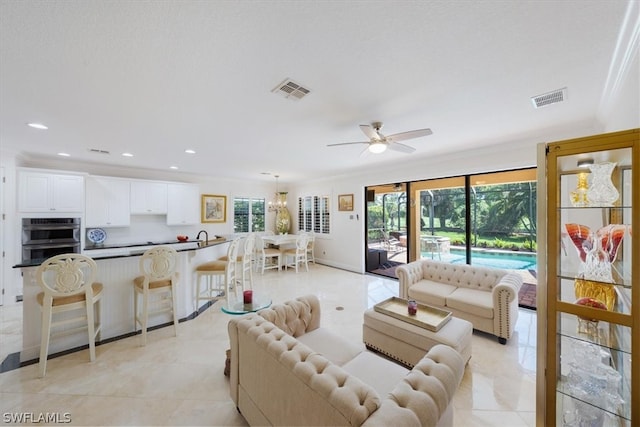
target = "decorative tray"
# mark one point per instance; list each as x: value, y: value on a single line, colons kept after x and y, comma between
x: 427, y: 317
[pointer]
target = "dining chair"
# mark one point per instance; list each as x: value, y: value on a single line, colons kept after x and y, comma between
x: 244, y: 260
x: 298, y: 255
x: 266, y: 257
x: 68, y: 285
x: 159, y: 278
x: 311, y: 257
x: 220, y: 275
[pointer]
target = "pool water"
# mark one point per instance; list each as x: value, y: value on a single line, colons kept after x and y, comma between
x: 504, y: 260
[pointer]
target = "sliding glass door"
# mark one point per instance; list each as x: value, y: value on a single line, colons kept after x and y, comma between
x: 439, y: 230
x: 485, y: 219
x: 387, y: 224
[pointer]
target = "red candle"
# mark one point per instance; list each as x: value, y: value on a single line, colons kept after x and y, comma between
x: 247, y: 297
x: 412, y: 307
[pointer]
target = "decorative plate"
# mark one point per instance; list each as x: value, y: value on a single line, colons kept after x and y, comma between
x: 96, y: 236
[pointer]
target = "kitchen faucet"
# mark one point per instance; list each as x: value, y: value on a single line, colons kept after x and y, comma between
x: 206, y: 236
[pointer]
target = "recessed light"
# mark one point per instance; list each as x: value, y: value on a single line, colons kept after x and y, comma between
x: 189, y: 151
x: 37, y: 126
x: 173, y: 167
x: 64, y: 154
x: 127, y: 155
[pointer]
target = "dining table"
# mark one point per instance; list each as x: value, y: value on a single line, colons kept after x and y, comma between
x: 280, y: 239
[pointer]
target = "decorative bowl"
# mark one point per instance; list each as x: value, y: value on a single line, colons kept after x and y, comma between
x: 182, y: 238
x: 590, y: 302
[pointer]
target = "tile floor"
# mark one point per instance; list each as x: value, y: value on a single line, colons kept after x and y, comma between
x: 180, y: 381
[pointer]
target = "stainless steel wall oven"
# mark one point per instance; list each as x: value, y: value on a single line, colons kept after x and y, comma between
x: 43, y: 238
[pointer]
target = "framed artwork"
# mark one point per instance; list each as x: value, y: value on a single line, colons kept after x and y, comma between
x: 213, y: 208
x: 345, y: 202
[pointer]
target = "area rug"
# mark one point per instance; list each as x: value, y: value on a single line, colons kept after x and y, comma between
x: 527, y: 296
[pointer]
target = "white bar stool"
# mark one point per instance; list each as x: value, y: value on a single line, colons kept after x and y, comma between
x: 158, y: 266
x: 67, y: 282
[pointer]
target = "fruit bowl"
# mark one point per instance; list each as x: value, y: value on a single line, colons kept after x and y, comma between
x: 182, y: 238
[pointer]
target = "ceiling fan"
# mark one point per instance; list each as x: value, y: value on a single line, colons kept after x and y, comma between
x: 378, y: 143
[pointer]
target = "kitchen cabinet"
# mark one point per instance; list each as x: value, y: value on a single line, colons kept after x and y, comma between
x: 148, y: 197
x: 48, y: 192
x: 589, y: 273
x: 107, y: 202
x: 183, y: 206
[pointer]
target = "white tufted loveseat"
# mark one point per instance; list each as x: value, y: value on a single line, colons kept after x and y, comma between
x: 486, y: 297
x: 277, y: 379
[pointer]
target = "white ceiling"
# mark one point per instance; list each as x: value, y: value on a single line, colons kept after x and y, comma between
x: 157, y: 77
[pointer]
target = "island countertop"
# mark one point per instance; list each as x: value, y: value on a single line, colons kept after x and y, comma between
x: 121, y: 250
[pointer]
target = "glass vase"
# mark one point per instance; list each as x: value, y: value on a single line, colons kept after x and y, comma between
x: 601, y: 191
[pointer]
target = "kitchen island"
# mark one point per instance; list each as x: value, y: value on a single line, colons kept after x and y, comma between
x: 117, y: 267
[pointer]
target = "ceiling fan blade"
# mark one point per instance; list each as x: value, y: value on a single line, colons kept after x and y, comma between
x: 370, y: 132
x: 402, y: 136
x: 365, y: 152
x: 348, y: 143
x: 396, y: 146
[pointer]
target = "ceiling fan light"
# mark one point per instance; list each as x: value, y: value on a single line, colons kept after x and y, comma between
x: 377, y: 147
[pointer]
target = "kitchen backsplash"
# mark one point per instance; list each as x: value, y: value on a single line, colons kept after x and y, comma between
x: 148, y: 228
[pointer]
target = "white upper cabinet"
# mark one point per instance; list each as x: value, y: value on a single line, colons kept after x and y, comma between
x: 107, y: 202
x: 184, y: 204
x: 46, y: 192
x: 148, y: 197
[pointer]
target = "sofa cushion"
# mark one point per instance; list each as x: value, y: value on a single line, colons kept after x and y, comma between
x: 335, y: 348
x: 380, y: 373
x: 473, y: 301
x: 431, y: 292
x: 462, y: 275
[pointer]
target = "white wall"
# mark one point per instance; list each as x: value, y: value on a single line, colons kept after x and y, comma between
x: 620, y: 103
x: 11, y: 279
x: 623, y: 107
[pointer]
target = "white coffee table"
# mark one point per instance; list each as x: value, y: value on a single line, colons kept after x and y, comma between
x: 408, y: 343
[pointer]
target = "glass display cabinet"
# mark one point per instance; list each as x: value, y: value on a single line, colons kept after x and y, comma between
x: 591, y: 275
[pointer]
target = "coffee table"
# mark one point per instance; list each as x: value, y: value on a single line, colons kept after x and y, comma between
x: 408, y: 342
x: 236, y: 306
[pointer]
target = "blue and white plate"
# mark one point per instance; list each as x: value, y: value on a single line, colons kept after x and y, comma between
x: 96, y: 236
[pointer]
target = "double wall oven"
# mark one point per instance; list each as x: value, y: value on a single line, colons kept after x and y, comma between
x: 43, y: 238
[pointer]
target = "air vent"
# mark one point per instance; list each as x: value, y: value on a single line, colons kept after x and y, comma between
x: 290, y: 89
x: 95, y: 150
x: 549, y: 98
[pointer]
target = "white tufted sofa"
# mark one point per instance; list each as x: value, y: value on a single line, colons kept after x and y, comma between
x: 486, y: 297
x: 287, y: 370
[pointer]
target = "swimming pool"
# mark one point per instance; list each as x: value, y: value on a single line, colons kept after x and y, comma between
x: 496, y: 259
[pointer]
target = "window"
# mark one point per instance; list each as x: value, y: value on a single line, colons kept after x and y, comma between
x: 248, y: 214
x: 313, y: 214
